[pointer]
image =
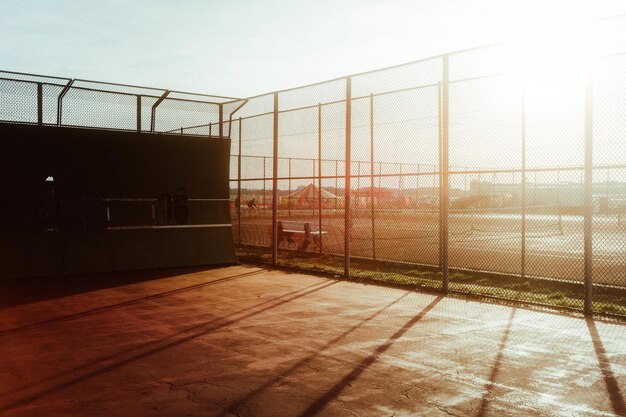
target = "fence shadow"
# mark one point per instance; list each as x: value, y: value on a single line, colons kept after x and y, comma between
x: 154, y: 347
x: 612, y: 386
x: 362, y: 366
x: 484, y: 404
x: 242, y: 400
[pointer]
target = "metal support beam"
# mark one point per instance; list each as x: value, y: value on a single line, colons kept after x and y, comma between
x: 445, y: 181
x: 138, y: 113
x: 60, y: 101
x: 440, y: 174
x: 588, y: 190
x: 347, y: 185
x: 336, y: 186
x: 239, y: 183
x: 275, y: 184
x: 319, y: 173
x: 154, y: 107
x: 39, y: 104
x: 372, y: 195
x: 231, y: 114
x: 221, y: 121
x: 313, y: 181
x: 523, y: 190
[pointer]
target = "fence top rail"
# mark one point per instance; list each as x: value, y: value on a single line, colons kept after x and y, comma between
x: 178, y: 129
x: 229, y: 99
x: 161, y: 89
x: 354, y: 161
x: 453, y: 169
x: 377, y: 70
x: 13, y: 75
x: 119, y: 93
x: 426, y: 59
x: 31, y: 81
x: 27, y: 74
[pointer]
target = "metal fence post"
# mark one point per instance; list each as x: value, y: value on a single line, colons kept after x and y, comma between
x: 319, y: 172
x: 336, y: 184
x: 401, y: 201
x: 372, y: 195
x: 138, y: 113
x: 239, y: 185
x: 417, y: 188
x: 275, y: 184
x: 358, y: 179
x: 39, y: 104
x: 313, y: 183
x: 66, y: 88
x: 154, y: 108
x: 445, y: 183
x: 523, y: 190
x: 588, y: 187
x: 347, y: 185
x: 264, y: 185
x: 221, y: 115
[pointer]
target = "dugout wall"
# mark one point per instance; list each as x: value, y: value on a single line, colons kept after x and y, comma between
x: 85, y: 200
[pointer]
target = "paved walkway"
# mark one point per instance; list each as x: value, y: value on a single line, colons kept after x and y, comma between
x: 248, y: 342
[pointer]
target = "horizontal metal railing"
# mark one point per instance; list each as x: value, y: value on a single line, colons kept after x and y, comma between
x: 48, y: 100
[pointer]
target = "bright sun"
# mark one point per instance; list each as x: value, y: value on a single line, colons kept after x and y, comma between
x: 553, y: 63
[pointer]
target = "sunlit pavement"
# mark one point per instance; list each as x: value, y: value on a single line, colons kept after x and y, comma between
x: 249, y: 342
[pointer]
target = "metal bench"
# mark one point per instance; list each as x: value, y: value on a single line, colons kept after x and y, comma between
x: 305, y: 236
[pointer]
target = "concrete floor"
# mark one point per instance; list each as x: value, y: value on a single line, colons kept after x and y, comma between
x: 243, y: 341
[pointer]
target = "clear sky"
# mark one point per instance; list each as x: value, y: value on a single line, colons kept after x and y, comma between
x: 242, y: 48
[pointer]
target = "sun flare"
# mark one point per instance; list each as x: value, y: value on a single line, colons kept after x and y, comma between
x: 552, y: 63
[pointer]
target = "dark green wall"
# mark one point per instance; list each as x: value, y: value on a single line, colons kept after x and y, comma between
x: 50, y: 228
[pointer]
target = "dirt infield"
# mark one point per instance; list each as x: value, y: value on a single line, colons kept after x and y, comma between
x: 478, y: 241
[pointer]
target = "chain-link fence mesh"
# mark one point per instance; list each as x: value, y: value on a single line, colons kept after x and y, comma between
x: 466, y: 172
x: 252, y: 185
x: 482, y: 171
x: 54, y: 101
x: 19, y: 101
x: 609, y: 181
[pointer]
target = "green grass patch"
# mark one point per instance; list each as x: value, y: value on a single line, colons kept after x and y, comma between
x: 609, y: 301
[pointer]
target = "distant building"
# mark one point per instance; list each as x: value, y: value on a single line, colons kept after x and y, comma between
x: 609, y: 195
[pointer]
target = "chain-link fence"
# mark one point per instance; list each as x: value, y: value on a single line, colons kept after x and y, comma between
x: 481, y: 171
x: 54, y: 101
x: 459, y: 173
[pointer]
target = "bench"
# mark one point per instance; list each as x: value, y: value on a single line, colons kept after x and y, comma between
x: 305, y: 236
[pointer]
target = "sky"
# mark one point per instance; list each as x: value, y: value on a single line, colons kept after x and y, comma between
x: 243, y: 48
